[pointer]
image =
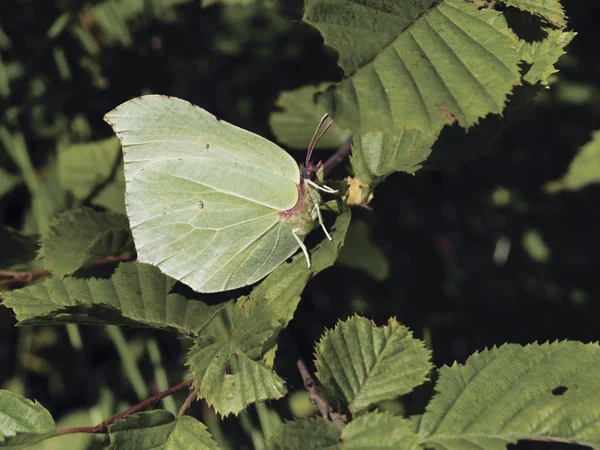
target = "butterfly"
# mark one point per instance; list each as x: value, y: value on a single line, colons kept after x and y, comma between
x: 210, y: 204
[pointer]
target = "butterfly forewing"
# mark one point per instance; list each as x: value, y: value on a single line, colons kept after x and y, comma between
x: 203, y: 197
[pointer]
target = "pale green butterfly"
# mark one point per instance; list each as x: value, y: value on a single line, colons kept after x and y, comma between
x: 212, y: 205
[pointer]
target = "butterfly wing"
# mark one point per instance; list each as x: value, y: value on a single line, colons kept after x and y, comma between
x: 203, y: 196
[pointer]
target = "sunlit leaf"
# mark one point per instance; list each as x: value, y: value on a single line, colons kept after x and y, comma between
x: 23, y: 422
x: 544, y: 392
x: 135, y: 294
x: 551, y: 10
x: 363, y: 364
x: 418, y: 64
x: 156, y: 430
x: 542, y: 55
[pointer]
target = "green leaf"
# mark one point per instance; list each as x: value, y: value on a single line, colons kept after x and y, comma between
x: 415, y: 64
x: 544, y: 54
x: 298, y: 115
x: 311, y: 434
x: 229, y: 372
x: 135, y: 294
x: 159, y: 430
x: 583, y: 170
x: 77, y: 237
x: 94, y: 169
x: 279, y: 293
x: 551, y: 10
x: 544, y: 392
x: 360, y: 252
x: 376, y: 155
x: 370, y: 431
x: 23, y: 422
x: 381, y: 431
x: 363, y: 364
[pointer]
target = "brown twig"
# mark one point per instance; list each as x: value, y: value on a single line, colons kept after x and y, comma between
x: 188, y: 401
x: 8, y: 277
x: 103, y: 426
x: 310, y: 385
x: 340, y: 155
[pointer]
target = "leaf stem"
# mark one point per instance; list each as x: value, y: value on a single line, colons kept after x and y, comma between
x: 311, y: 387
x: 8, y: 277
x: 340, y: 155
x: 103, y: 426
x: 188, y: 401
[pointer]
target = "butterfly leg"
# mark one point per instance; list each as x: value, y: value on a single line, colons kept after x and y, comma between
x: 323, y: 188
x: 320, y: 217
x: 302, y: 246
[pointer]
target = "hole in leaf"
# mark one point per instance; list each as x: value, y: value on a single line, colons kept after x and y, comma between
x: 560, y: 390
x: 289, y: 260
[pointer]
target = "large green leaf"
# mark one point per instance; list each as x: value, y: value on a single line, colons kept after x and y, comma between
x: 229, y: 372
x: 377, y: 155
x: 551, y: 10
x: 136, y: 294
x: 546, y: 392
x: 363, y: 364
x: 583, y: 170
x: 298, y: 115
x: 23, y: 422
x: 156, y: 430
x: 77, y: 237
x: 94, y: 170
x: 370, y: 431
x: 415, y: 64
x: 311, y: 434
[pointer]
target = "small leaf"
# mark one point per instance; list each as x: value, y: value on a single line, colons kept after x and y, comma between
x: 542, y: 55
x: 228, y: 372
x: 381, y: 431
x: 155, y: 430
x: 311, y: 434
x: 375, y: 156
x: 78, y: 237
x: 415, y: 65
x: 360, y: 252
x: 23, y: 422
x: 583, y: 170
x: 546, y: 392
x: 551, y: 10
x: 363, y: 364
x: 85, y: 168
x: 298, y: 116
x: 135, y: 294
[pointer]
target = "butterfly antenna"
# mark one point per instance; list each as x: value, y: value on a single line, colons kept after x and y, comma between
x: 315, y: 139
